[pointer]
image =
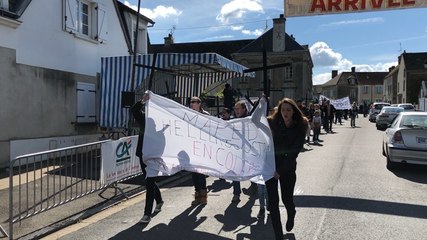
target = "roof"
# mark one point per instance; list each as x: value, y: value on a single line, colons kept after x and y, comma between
x: 257, y: 44
x: 123, y: 7
x: 223, y: 48
x: 363, y: 78
x: 415, y: 61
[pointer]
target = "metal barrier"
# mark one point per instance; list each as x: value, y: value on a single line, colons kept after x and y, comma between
x: 45, y: 180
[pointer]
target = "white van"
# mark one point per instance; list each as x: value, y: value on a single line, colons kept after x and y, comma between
x: 375, y: 109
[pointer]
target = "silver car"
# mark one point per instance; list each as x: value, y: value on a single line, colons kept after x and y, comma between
x: 386, y: 116
x: 375, y: 109
x: 405, y: 141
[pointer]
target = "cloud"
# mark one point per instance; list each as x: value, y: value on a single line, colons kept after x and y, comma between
x: 237, y: 8
x: 326, y: 59
x: 357, y: 21
x: 323, y: 55
x: 256, y: 32
x: 158, y: 12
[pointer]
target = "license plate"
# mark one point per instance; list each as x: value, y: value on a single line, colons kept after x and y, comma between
x: 421, y: 140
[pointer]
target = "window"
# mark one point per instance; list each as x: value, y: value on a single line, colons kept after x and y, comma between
x: 404, y: 83
x: 288, y: 73
x: 378, y: 89
x: 352, y: 93
x: 365, y: 89
x: 86, y: 19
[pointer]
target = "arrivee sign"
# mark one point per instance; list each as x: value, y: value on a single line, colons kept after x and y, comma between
x: 295, y: 8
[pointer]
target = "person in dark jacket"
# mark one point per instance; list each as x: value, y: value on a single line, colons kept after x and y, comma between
x: 152, y: 190
x: 288, y: 127
x: 199, y: 180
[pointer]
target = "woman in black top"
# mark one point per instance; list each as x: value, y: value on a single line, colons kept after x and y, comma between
x: 288, y: 126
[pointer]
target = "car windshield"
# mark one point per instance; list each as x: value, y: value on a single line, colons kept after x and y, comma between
x: 407, y: 107
x: 380, y: 106
x: 392, y: 110
x: 414, y: 121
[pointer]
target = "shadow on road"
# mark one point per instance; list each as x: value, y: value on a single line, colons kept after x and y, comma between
x: 413, y: 173
x: 362, y: 205
x: 182, y: 227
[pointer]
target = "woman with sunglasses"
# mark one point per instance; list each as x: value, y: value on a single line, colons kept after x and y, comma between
x: 199, y: 180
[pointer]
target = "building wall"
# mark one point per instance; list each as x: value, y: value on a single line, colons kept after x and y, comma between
x: 41, y: 41
x: 299, y: 87
x: 40, y: 66
x: 401, y: 79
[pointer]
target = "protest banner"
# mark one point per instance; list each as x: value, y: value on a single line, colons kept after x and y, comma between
x: 341, y: 104
x: 178, y: 138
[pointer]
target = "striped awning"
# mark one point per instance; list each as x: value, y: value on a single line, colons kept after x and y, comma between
x: 187, y: 74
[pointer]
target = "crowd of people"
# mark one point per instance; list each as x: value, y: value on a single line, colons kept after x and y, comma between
x: 292, y: 124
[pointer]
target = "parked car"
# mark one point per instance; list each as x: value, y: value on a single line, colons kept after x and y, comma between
x: 386, y: 116
x: 375, y: 109
x: 407, y: 106
x: 405, y: 141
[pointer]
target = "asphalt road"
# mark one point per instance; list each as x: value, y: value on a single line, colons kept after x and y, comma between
x: 343, y: 191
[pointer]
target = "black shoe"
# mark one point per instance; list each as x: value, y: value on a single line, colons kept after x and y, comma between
x: 261, y: 213
x: 290, y: 222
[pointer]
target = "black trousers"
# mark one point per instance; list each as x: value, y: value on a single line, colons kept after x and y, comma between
x: 152, y: 191
x: 287, y: 185
x: 199, y: 181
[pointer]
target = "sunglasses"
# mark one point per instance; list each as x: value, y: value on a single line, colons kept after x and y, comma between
x: 195, y: 101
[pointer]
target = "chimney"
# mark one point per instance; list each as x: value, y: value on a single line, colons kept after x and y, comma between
x: 334, y: 73
x: 391, y: 68
x: 168, y: 40
x: 279, y: 34
x: 353, y: 69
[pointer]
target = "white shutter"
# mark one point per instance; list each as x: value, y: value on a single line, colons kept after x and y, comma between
x: 102, y: 31
x: 70, y: 15
x: 86, y: 102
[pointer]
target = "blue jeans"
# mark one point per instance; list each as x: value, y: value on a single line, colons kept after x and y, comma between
x: 262, y: 196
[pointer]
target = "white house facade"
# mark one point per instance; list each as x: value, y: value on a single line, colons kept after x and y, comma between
x: 50, y: 60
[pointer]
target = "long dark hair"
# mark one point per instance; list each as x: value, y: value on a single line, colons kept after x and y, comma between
x: 298, y: 117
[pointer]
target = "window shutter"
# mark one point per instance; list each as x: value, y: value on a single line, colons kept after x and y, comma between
x: 70, y: 15
x: 102, y: 31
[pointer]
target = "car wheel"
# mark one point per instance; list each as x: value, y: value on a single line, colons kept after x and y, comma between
x: 391, y: 165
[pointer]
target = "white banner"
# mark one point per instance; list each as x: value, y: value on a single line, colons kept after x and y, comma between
x: 119, y: 159
x: 295, y: 8
x: 179, y: 138
x: 341, y: 104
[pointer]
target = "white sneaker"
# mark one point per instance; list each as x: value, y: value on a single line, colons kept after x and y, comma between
x: 145, y: 219
x: 158, y: 207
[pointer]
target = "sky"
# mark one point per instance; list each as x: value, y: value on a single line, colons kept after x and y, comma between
x: 368, y: 41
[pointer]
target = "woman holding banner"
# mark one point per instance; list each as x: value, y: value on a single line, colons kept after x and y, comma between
x: 152, y: 190
x: 288, y: 126
x: 199, y: 180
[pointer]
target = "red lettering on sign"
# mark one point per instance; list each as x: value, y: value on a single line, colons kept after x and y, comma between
x: 408, y: 2
x: 334, y: 4
x: 352, y: 3
x: 318, y: 5
x: 376, y: 4
x: 348, y: 5
x: 392, y: 3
